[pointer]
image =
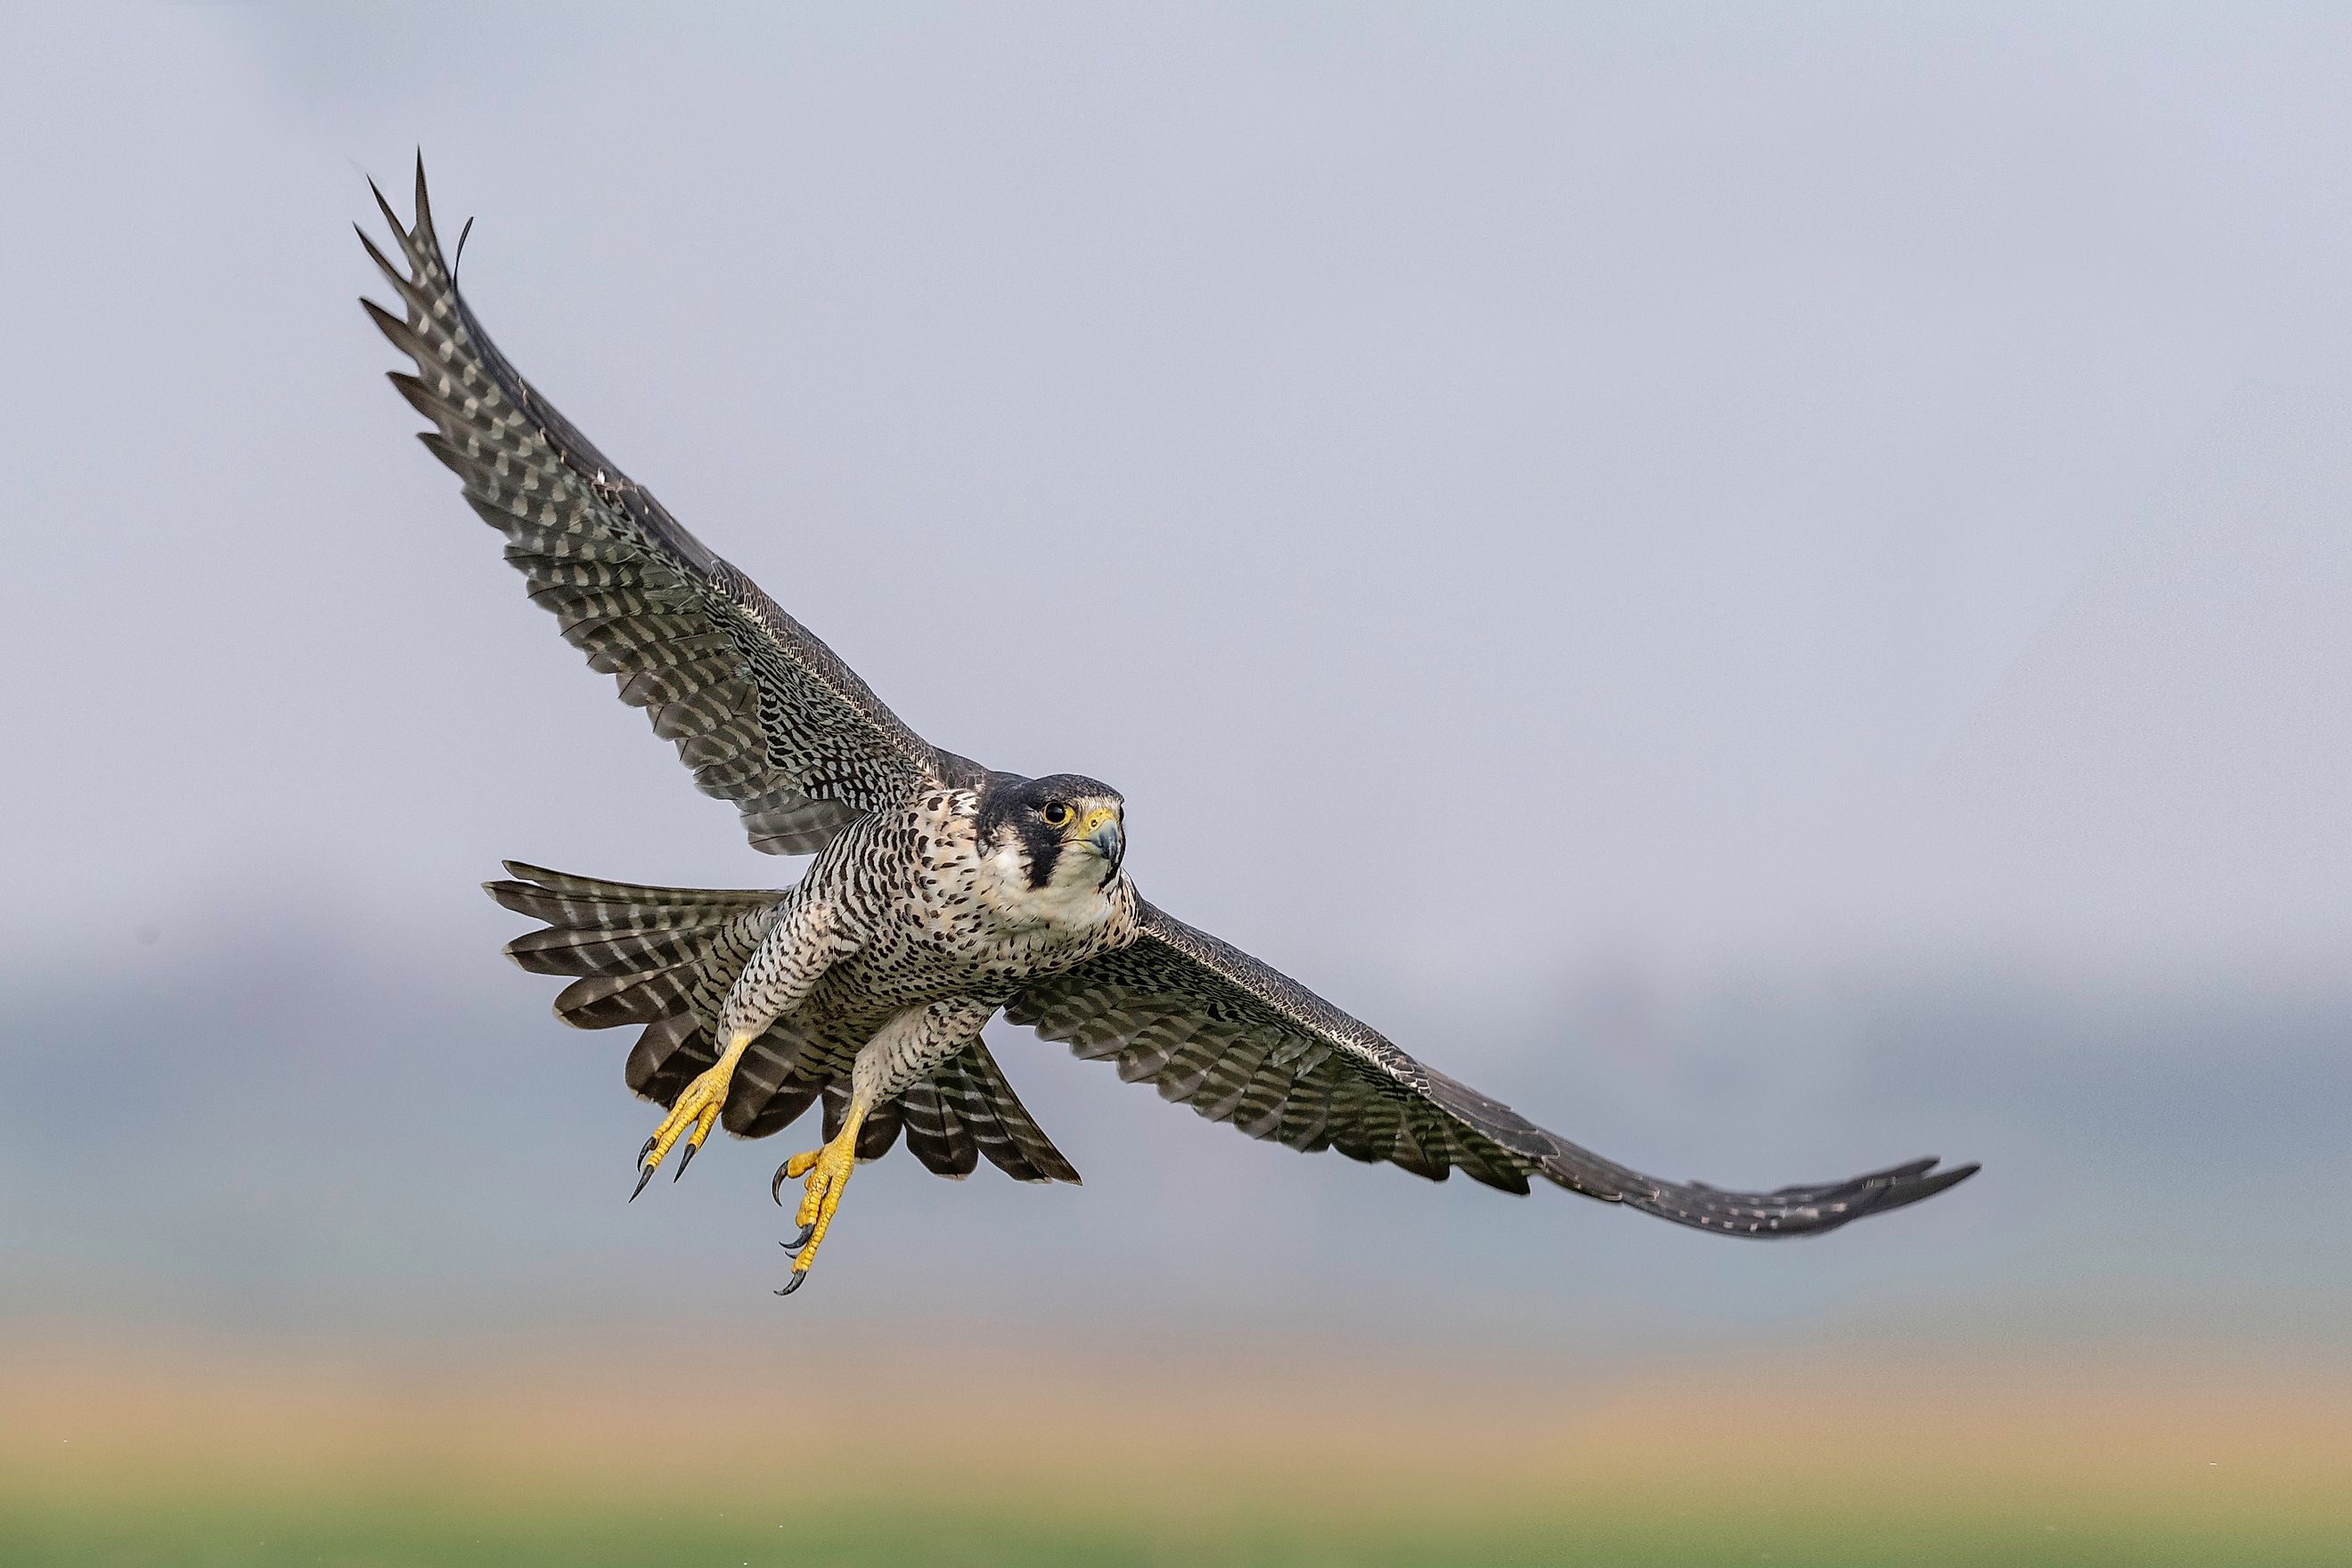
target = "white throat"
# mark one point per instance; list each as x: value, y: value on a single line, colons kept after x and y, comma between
x: 1072, y: 900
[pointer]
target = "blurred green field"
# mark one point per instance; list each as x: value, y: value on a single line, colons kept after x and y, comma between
x: 875, y: 1532
x: 127, y: 1455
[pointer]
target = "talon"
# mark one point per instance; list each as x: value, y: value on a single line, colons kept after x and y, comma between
x: 691, y: 1117
x: 776, y: 1188
x: 829, y: 1170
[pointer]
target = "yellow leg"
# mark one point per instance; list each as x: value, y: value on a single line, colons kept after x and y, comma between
x: 829, y: 1170
x: 693, y: 1116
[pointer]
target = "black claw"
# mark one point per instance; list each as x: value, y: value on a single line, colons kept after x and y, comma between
x: 796, y: 1243
x: 649, y: 1148
x: 776, y: 1187
x: 795, y: 1283
x: 685, y: 1162
x: 642, y: 1177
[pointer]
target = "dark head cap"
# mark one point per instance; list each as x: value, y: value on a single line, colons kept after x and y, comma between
x: 1053, y: 815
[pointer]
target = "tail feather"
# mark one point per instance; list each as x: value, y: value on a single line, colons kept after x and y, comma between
x: 559, y: 951
x: 547, y: 895
x: 936, y: 1133
x: 588, y: 914
x: 669, y: 1055
x: 1000, y: 1123
x: 659, y: 956
x: 603, y: 1001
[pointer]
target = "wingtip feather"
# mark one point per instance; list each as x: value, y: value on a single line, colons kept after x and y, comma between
x: 424, y: 235
x: 399, y: 229
x: 393, y: 328
x: 398, y: 279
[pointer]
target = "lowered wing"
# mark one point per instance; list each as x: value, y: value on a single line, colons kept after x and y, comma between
x: 1214, y: 1029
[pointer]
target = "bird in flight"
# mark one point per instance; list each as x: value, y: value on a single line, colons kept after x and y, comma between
x: 941, y: 892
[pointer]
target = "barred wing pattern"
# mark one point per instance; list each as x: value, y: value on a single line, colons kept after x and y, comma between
x: 765, y: 714
x: 1215, y: 1029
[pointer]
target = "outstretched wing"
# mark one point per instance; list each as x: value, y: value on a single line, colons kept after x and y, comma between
x: 1216, y: 1029
x: 763, y: 712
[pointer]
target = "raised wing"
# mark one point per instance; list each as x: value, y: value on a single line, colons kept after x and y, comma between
x: 765, y: 714
x: 1216, y: 1029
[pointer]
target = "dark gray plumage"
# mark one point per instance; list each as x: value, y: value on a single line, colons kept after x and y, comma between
x: 1212, y: 1028
x: 941, y: 891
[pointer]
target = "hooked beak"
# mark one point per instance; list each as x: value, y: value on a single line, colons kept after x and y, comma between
x: 1105, y: 838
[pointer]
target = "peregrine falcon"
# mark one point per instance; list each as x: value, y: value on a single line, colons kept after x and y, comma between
x: 941, y: 892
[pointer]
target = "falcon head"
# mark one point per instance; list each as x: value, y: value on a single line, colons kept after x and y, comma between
x: 1063, y: 831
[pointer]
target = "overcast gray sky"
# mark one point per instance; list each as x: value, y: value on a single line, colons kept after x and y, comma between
x: 1871, y: 485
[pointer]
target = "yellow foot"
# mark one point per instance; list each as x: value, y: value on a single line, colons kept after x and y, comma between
x: 827, y: 1170
x: 692, y: 1117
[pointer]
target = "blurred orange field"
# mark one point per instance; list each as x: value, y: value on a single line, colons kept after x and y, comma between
x: 2152, y: 1444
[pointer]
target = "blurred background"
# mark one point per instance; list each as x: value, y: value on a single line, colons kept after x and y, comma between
x: 1874, y: 485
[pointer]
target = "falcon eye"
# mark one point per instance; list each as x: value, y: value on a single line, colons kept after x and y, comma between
x: 1057, y: 814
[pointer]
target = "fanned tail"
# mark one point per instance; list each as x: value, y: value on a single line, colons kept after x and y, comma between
x: 663, y: 957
